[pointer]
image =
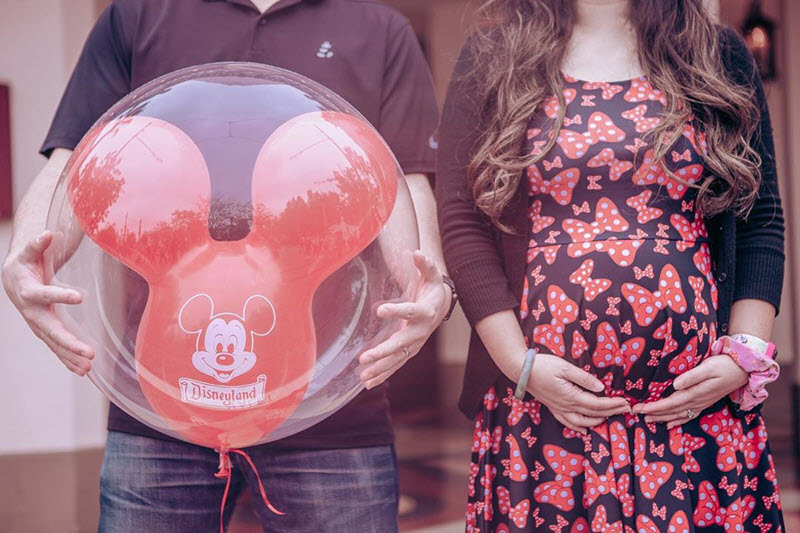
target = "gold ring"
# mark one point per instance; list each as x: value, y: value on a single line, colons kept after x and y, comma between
x: 690, y: 414
x: 406, y: 351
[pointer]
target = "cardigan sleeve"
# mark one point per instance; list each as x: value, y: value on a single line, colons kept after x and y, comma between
x: 760, y: 236
x: 468, y: 236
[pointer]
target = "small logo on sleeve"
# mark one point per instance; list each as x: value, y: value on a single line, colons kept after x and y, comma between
x: 325, y: 50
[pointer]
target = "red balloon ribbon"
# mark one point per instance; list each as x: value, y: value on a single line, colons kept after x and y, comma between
x: 224, y: 472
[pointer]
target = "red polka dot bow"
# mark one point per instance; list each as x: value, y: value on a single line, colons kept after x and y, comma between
x: 709, y: 512
x: 642, y: 122
x: 608, y: 89
x: 617, y: 167
x: 640, y: 202
x: 607, y: 219
x: 651, y: 173
x: 595, y: 485
x: 652, y: 475
x: 567, y: 466
x: 518, y: 513
x: 600, y: 129
x: 560, y: 186
x: 583, y: 277
x: 564, y: 311
x: 609, y: 351
x: 646, y: 305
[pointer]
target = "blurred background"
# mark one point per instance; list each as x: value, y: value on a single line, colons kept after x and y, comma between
x: 52, y: 424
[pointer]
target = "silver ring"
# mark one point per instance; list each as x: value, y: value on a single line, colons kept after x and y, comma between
x: 690, y: 414
x: 406, y: 351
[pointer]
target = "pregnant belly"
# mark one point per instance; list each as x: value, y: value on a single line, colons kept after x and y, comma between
x: 636, y: 327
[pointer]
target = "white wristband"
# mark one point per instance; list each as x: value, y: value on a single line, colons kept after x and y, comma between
x: 757, y: 344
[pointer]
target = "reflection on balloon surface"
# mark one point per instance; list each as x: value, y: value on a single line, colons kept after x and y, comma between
x: 233, y: 228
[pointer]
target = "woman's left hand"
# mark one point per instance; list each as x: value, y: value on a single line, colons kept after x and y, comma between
x: 421, y: 317
x: 714, y: 378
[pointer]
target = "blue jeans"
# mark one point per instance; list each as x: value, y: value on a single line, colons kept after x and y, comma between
x: 154, y: 486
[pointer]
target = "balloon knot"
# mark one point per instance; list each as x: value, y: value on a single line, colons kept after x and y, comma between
x: 224, y: 470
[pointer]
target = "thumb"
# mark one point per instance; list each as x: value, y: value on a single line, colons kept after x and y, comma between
x: 35, y: 248
x: 584, y: 379
x: 425, y: 266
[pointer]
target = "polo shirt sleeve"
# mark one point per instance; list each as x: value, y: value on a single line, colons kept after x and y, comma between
x: 409, y: 115
x: 101, y: 77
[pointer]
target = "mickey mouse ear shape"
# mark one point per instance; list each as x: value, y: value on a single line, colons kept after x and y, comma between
x: 324, y: 185
x: 141, y: 193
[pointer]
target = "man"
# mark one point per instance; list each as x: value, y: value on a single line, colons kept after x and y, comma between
x: 341, y: 474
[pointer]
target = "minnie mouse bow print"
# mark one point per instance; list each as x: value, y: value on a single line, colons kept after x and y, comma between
x: 709, y: 512
x: 610, y: 352
x: 652, y: 173
x: 591, y: 287
x: 564, y: 311
x: 608, y: 220
x: 646, y: 305
x: 560, y: 186
x: 616, y: 167
x: 566, y: 466
x: 600, y: 128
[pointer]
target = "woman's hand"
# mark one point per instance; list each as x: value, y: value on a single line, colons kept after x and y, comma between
x: 421, y: 316
x: 564, y: 389
x: 714, y: 378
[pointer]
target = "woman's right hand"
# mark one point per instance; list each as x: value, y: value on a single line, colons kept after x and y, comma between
x: 23, y: 279
x: 564, y: 389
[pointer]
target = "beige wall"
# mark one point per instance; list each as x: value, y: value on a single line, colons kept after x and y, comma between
x: 790, y: 18
x: 785, y: 115
x: 42, y: 406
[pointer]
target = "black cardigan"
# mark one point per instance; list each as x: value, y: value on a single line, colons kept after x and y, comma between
x: 488, y: 266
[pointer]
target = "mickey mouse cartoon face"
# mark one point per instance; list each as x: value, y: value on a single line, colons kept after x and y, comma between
x: 225, y: 340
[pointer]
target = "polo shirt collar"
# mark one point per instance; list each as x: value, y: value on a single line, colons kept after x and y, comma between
x: 281, y: 4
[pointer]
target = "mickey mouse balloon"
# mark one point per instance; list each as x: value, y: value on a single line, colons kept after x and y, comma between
x: 232, y: 228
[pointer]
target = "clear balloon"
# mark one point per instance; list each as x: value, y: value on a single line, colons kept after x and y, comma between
x: 232, y: 228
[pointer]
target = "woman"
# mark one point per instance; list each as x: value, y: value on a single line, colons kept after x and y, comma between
x: 618, y: 228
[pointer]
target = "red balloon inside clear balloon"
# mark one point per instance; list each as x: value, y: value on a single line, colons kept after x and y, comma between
x: 258, y: 227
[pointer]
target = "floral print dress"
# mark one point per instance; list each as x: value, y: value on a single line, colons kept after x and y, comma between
x: 619, y: 282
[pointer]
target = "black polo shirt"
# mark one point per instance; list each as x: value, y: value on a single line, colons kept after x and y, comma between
x: 364, y: 51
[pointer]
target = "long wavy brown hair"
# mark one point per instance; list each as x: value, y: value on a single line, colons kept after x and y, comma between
x: 519, y: 50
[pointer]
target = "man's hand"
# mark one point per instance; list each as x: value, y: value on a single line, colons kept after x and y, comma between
x: 23, y: 279
x: 714, y: 378
x: 421, y: 317
x: 564, y: 389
